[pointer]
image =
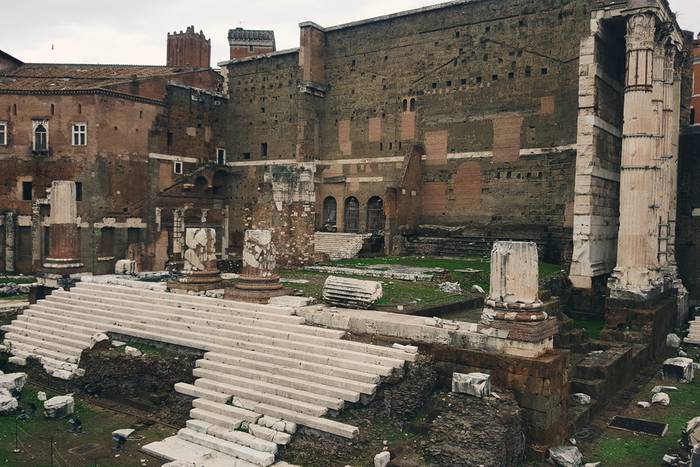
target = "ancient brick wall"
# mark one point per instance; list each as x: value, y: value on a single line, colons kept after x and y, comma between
x: 492, y: 98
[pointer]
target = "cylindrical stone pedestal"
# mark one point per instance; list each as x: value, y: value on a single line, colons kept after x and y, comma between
x: 258, y: 282
x: 513, y: 303
x: 64, y: 236
x: 199, y: 271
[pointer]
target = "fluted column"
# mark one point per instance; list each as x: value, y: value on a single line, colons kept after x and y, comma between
x: 637, y: 274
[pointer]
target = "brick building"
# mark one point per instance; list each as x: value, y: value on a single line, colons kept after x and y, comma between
x: 105, y: 127
x: 695, y: 102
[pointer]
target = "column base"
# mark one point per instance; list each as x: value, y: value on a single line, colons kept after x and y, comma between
x: 62, y: 266
x: 533, y: 332
x: 197, y: 281
x: 256, y: 289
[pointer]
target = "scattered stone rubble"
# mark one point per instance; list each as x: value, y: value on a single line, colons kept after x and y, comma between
x: 450, y: 287
x: 11, y: 289
x: 565, y: 456
x: 581, y: 399
x: 661, y: 398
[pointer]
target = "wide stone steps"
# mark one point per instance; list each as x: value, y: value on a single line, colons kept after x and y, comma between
x: 262, y: 356
x: 270, y: 388
x: 284, y: 340
x: 271, y: 326
x: 355, y: 380
x: 184, y: 299
x: 172, y: 307
x: 313, y: 386
x: 263, y: 397
x: 282, y: 347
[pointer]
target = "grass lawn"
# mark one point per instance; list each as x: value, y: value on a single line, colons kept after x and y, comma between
x: 407, y: 293
x: 593, y: 327
x: 16, y: 280
x: 626, y: 449
x: 94, y: 447
x: 23, y: 297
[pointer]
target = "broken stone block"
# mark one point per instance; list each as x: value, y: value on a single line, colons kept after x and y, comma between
x: 7, y: 404
x: 566, y: 456
x: 690, y: 435
x: 132, y: 351
x: 581, y: 398
x: 474, y: 384
x: 678, y: 369
x: 19, y: 361
x: 405, y: 348
x: 656, y: 389
x: 59, y: 406
x: 477, y: 289
x: 351, y: 293
x: 125, y: 267
x: 122, y: 434
x: 450, y: 287
x: 382, y: 459
x: 661, y: 398
x: 99, y: 337
x: 41, y: 395
x: 670, y: 460
x: 673, y: 341
x: 644, y: 404
x: 269, y: 434
x: 13, y: 381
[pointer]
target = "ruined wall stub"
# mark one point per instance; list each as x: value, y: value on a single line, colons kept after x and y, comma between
x: 64, y: 235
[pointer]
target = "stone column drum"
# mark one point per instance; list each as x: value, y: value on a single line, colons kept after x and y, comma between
x: 258, y: 282
x: 199, y: 271
x: 513, y: 302
x: 64, y: 236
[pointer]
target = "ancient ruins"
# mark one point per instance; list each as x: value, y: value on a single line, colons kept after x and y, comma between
x: 404, y: 218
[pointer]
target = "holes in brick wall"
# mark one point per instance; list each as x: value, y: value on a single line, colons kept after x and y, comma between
x: 511, y: 75
x: 487, y: 29
x: 246, y: 156
x: 14, y: 109
x: 494, y: 77
x: 412, y: 105
x: 381, y: 146
x: 448, y: 83
x: 53, y: 108
x: 478, y: 80
x: 434, y: 85
x: 522, y: 23
x: 463, y: 82
x: 486, y: 57
x: 528, y: 71
x: 456, y: 34
x: 544, y: 71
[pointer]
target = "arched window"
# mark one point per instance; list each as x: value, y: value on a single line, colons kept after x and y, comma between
x: 352, y: 214
x: 330, y: 212
x: 404, y: 105
x: 40, y: 138
x: 375, y: 215
x: 413, y: 105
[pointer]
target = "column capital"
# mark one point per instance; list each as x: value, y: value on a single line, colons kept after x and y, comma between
x: 641, y: 31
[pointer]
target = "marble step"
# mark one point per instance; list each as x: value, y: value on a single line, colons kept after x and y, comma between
x: 25, y: 348
x: 262, y: 397
x: 322, y: 424
x: 245, y: 453
x: 216, y: 418
x: 45, y: 334
x: 270, y: 388
x: 201, y: 393
x: 49, y: 327
x: 175, y: 448
x: 226, y: 409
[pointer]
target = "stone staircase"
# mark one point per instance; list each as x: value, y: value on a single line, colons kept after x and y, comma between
x: 264, y: 371
x: 339, y: 245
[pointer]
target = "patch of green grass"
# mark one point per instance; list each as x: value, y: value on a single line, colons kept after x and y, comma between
x: 98, y: 423
x: 147, y: 349
x: 625, y: 449
x: 593, y: 327
x: 16, y: 280
x: 19, y: 298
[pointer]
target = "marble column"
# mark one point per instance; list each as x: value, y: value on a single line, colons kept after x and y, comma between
x: 514, y: 284
x: 64, y: 236
x: 637, y: 275
x: 199, y: 271
x: 513, y: 303
x: 9, y: 242
x: 259, y: 280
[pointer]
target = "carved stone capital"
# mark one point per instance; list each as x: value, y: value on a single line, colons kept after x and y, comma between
x: 641, y: 31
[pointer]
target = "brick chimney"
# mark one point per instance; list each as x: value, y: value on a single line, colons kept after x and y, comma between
x: 247, y: 42
x: 189, y: 49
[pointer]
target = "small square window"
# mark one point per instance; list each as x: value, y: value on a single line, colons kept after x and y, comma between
x: 246, y: 155
x: 511, y: 75
x: 463, y: 82
x: 220, y: 156
x: 528, y: 71
x: 177, y: 168
x: 494, y: 77
x: 263, y: 150
x: 544, y: 71
x: 434, y: 85
x: 79, y: 134
x: 478, y: 80
x: 3, y: 133
x: 448, y: 84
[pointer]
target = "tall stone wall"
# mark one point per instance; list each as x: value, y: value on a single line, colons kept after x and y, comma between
x: 491, y: 99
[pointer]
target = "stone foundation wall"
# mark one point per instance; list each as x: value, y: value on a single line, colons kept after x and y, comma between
x: 338, y: 245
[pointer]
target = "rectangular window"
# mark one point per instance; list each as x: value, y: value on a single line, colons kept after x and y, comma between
x: 40, y: 137
x: 246, y: 155
x: 3, y: 133
x: 78, y: 191
x: 263, y: 150
x: 220, y: 156
x: 79, y: 134
x: 27, y: 191
x: 177, y: 168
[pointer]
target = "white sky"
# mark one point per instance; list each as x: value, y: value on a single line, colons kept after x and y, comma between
x: 134, y: 31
